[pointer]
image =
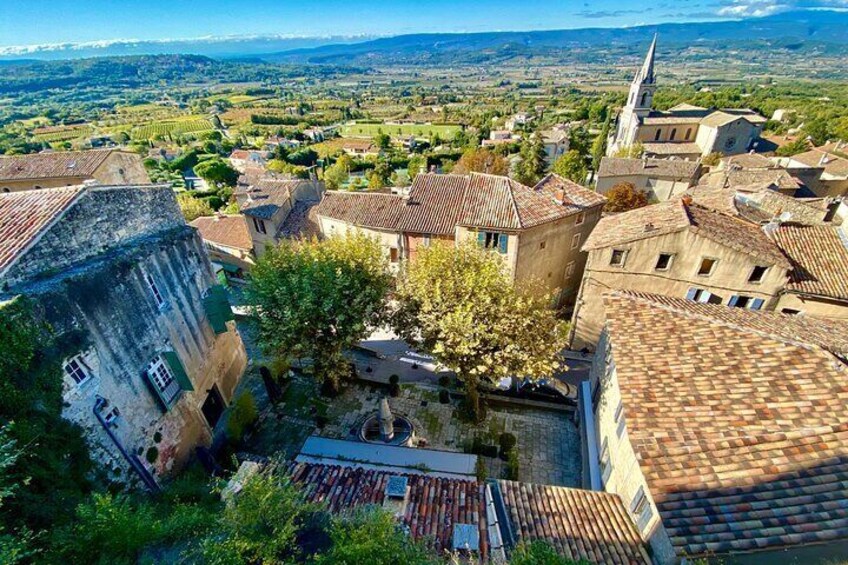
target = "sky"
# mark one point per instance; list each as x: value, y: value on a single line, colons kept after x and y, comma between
x: 37, y: 22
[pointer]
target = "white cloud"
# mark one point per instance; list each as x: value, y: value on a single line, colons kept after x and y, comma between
x: 760, y: 8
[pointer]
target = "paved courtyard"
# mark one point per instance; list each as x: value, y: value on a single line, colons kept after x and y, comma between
x: 546, y: 438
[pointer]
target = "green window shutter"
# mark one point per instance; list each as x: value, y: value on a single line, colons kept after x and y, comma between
x: 503, y: 242
x: 217, y: 308
x: 177, y: 369
x: 481, y: 238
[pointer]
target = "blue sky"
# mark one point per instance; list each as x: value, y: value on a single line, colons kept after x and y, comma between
x: 26, y: 22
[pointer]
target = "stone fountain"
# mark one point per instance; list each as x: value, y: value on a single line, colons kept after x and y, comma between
x: 386, y: 428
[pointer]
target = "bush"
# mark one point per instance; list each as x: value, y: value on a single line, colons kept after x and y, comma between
x: 394, y: 379
x: 321, y: 421
x: 507, y: 442
x: 444, y: 396
x: 512, y: 465
x: 243, y: 415
x: 480, y: 470
x: 444, y: 381
x: 394, y: 390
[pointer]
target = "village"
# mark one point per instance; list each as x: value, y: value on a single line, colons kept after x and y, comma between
x: 629, y: 350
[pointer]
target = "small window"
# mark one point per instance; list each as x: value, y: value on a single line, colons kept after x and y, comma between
x: 688, y: 134
x: 791, y: 311
x: 664, y: 261
x: 707, y: 266
x: 425, y: 240
x: 657, y: 135
x: 543, y: 244
x: 259, y: 225
x: 575, y: 241
x: 162, y: 378
x: 701, y: 295
x: 641, y: 509
x: 7, y: 189
x: 581, y: 217
x: 617, y: 258
x: 154, y: 290
x: 738, y: 301
x: 77, y: 370
x: 605, y: 461
x: 393, y: 254
x: 493, y: 240
x: 569, y: 269
x: 757, y: 274
x: 619, y: 410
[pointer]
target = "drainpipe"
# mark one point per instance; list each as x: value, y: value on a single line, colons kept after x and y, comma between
x: 146, y: 477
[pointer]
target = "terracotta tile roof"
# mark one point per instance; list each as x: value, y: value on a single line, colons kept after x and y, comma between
x: 731, y: 178
x: 741, y: 435
x: 671, y: 148
x: 267, y: 196
x: 367, y: 210
x: 749, y: 161
x: 301, y: 223
x: 579, y: 524
x: 434, y: 504
x: 819, y: 256
x: 758, y: 204
x: 24, y: 215
x: 673, y: 215
x: 363, y: 145
x: 434, y: 204
x: 439, y: 203
x: 832, y: 163
x: 57, y: 164
x: 227, y: 230
x: 658, y: 168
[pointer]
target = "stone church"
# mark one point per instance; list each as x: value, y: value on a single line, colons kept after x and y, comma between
x: 684, y: 131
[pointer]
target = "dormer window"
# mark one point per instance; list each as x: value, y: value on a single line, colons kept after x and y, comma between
x: 707, y: 266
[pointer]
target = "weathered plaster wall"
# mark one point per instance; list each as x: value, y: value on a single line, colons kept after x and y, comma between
x: 122, y: 168
x: 812, y: 306
x: 729, y: 277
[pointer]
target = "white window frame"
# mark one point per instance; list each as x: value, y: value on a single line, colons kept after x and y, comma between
x: 569, y: 269
x: 581, y: 217
x: 154, y: 290
x: 606, y: 461
x: 162, y: 377
x: 575, y: 241
x: 621, y: 263
x: 76, y: 365
x: 667, y: 267
x: 640, y: 507
x: 712, y: 267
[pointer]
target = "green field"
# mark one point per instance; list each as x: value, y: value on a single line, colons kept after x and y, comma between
x: 172, y: 127
x: 63, y: 134
x: 418, y: 130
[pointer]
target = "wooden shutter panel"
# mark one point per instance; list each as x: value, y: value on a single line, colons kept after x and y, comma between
x: 503, y: 243
x: 733, y: 300
x: 691, y: 294
x: 217, y: 307
x: 177, y: 369
x: 758, y: 304
x: 481, y: 238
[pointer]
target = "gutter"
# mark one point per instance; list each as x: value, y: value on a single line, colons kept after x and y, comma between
x: 146, y: 477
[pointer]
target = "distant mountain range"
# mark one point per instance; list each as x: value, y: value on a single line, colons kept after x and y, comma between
x: 794, y: 30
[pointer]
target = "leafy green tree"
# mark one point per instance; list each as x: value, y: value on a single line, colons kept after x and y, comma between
x: 192, y: 207
x: 623, y: 197
x: 572, y: 166
x: 630, y: 151
x: 461, y: 306
x: 417, y: 165
x: 379, y: 176
x: 383, y: 141
x: 599, y: 146
x: 373, y: 536
x: 337, y: 174
x: 800, y: 145
x: 217, y: 172
x: 479, y: 160
x: 533, y: 161
x: 286, y: 168
x: 314, y: 299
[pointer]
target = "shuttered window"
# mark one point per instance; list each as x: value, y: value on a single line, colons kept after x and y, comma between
x: 216, y: 304
x: 167, y: 377
x: 493, y: 240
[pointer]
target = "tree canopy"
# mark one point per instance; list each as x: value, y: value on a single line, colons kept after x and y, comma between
x: 572, y: 166
x: 478, y: 160
x: 533, y: 163
x: 217, y: 172
x: 458, y: 304
x: 314, y: 299
x: 623, y: 197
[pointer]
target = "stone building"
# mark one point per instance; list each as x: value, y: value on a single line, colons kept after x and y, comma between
x: 116, y: 271
x: 275, y: 208
x: 52, y: 169
x: 661, y: 179
x: 723, y: 430
x: 684, y: 131
x: 538, y: 231
x: 227, y: 240
x: 678, y: 248
x: 824, y: 170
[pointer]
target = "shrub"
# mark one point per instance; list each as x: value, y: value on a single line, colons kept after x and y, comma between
x: 321, y: 421
x: 444, y: 381
x: 152, y: 455
x: 394, y: 390
x: 507, y: 442
x: 394, y: 379
x: 480, y: 470
x: 512, y: 465
x: 243, y: 415
x: 444, y: 396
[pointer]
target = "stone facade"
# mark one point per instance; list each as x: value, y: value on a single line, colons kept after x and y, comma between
x: 116, y: 168
x: 121, y: 268
x: 639, y: 273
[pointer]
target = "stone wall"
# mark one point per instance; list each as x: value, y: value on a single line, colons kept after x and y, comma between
x: 121, y: 168
x: 108, y: 243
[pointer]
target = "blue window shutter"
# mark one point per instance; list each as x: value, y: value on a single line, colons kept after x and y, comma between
x: 733, y: 300
x: 481, y: 238
x: 758, y: 304
x: 177, y: 369
x: 503, y: 242
x: 691, y: 294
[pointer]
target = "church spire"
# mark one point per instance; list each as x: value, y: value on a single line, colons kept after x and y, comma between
x: 646, y: 75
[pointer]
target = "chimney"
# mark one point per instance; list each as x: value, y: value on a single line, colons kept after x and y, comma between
x: 687, y: 200
x: 824, y: 160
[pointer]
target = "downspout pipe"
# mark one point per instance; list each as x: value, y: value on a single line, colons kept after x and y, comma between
x: 146, y: 477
